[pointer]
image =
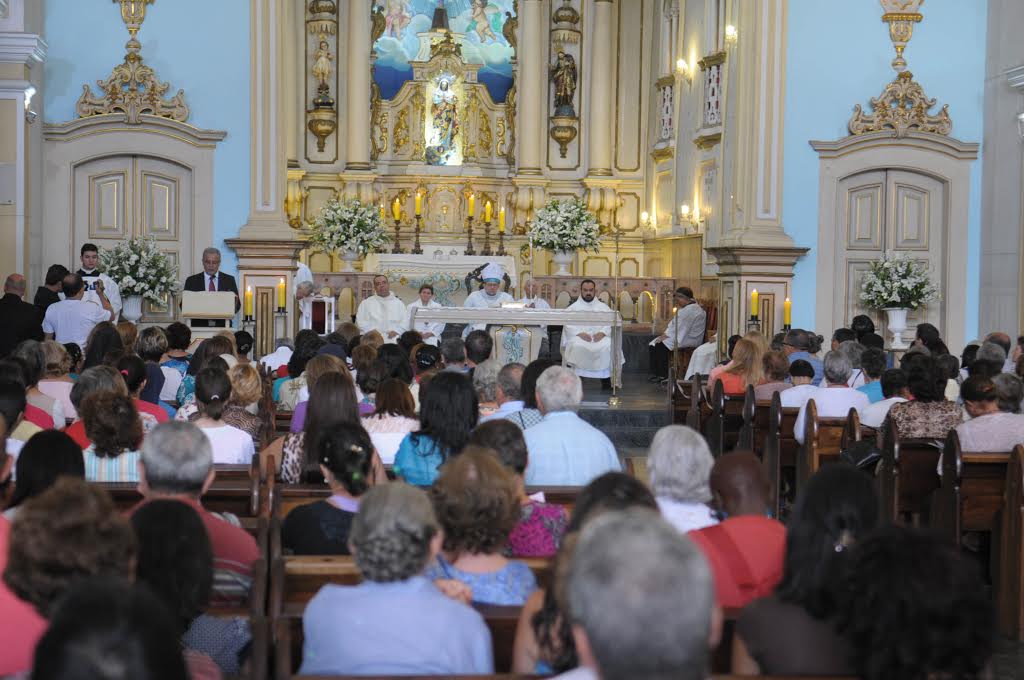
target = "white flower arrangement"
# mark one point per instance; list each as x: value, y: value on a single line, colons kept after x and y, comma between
x: 565, y: 225
x: 139, y: 267
x: 349, y: 225
x: 897, y: 282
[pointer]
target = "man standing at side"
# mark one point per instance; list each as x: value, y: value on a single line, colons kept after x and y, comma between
x: 383, y: 312
x: 92, y: 276
x: 49, y: 292
x: 588, y: 348
x: 565, y: 450
x: 684, y: 333
x: 73, y: 318
x: 21, y: 321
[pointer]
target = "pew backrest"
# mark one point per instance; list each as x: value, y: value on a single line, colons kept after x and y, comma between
x: 908, y: 476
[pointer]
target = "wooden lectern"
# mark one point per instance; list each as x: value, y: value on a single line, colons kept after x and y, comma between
x: 208, y: 313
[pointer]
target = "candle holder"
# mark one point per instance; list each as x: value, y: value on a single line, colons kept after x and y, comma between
x: 487, y: 240
x: 501, y: 243
x: 416, y: 249
x: 786, y: 328
x: 280, y: 323
x: 469, y: 236
x: 754, y: 324
x: 397, y: 249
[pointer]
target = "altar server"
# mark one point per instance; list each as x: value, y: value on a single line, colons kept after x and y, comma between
x: 90, y: 273
x: 430, y: 330
x: 489, y: 296
x: 534, y: 301
x: 383, y: 312
x: 588, y: 349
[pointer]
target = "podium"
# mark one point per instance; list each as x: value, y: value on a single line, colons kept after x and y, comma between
x: 208, y: 313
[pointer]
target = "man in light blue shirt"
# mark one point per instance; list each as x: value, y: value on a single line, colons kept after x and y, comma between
x: 509, y: 392
x: 565, y: 450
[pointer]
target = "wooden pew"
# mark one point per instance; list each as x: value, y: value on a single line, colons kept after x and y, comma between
x: 1009, y: 583
x: 908, y: 476
x: 699, y: 409
x: 282, y: 422
x: 824, y: 438
x: 728, y: 415
x: 780, y: 446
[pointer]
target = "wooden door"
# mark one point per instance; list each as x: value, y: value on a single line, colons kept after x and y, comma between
x: 117, y: 197
x: 894, y: 211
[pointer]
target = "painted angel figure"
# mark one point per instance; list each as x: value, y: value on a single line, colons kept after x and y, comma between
x: 563, y: 74
x: 480, y: 13
x: 397, y: 17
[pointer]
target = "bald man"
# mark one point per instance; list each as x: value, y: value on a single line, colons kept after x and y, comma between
x: 745, y: 550
x: 21, y: 320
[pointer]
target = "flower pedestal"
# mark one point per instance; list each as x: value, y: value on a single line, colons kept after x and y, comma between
x: 132, y: 309
x: 897, y: 323
x: 563, y: 258
x: 347, y: 258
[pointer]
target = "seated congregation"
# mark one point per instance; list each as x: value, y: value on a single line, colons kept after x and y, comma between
x: 360, y: 505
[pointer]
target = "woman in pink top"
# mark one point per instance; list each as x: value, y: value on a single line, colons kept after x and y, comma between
x: 746, y: 368
x: 57, y: 382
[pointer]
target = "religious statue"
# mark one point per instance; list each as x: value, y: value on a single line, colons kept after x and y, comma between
x: 481, y: 21
x: 377, y: 24
x: 508, y: 29
x: 322, y: 66
x: 397, y: 17
x: 563, y: 75
x: 444, y: 115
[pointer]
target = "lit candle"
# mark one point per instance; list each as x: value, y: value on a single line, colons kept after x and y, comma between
x: 396, y: 209
x: 248, y: 301
x: 501, y: 220
x: 753, y: 304
x: 281, y: 299
x: 472, y: 205
x: 419, y: 204
x: 381, y: 212
x: 787, y: 312
x: 488, y: 212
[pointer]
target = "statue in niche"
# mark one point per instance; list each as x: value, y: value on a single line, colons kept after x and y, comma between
x: 480, y: 13
x: 563, y: 75
x: 444, y: 115
x: 322, y: 72
x: 508, y: 29
x: 397, y: 17
x: 377, y: 24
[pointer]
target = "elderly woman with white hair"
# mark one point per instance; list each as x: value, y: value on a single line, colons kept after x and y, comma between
x: 679, y: 463
x: 485, y: 382
x: 396, y: 621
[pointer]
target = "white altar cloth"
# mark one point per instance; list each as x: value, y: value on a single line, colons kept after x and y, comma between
x: 444, y: 271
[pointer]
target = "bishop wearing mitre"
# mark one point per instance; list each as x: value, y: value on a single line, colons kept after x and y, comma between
x: 383, y: 312
x: 489, y: 296
x: 588, y: 349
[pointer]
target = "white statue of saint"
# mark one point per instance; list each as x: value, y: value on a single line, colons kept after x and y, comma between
x: 322, y: 64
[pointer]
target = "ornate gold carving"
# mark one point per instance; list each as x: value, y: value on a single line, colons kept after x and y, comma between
x: 902, y: 106
x: 322, y: 17
x: 707, y: 141
x: 567, y: 21
x: 322, y: 123
x: 499, y: 147
x: 378, y: 123
x: 563, y: 131
x: 712, y: 60
x: 510, y: 117
x: 485, y: 138
x: 508, y: 29
x: 901, y: 15
x: 418, y: 108
x: 132, y: 88
x: 401, y: 130
x: 469, y: 151
x: 377, y: 24
x: 665, y: 81
x: 663, y: 153
x: 446, y: 47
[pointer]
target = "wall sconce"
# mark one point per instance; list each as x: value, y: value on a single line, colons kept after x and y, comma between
x: 645, y: 220
x: 692, y: 217
x: 30, y: 115
x: 683, y: 70
x: 731, y: 34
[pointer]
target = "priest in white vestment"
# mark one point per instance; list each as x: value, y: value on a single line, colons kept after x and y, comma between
x: 588, y: 349
x: 90, y: 273
x: 490, y: 296
x: 430, y: 330
x: 534, y: 301
x: 383, y: 312
x: 304, y: 289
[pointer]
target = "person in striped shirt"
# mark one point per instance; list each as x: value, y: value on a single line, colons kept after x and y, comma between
x: 113, y: 426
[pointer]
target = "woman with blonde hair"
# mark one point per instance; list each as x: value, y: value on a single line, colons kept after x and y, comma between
x: 57, y: 382
x: 746, y: 368
x: 243, y: 410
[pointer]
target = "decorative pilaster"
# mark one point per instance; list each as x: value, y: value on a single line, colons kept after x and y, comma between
x: 531, y: 86
x: 602, y: 95
x: 268, y: 163
x: 357, y: 104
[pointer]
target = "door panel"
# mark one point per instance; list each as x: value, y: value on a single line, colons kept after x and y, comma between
x: 864, y: 214
x: 102, y: 203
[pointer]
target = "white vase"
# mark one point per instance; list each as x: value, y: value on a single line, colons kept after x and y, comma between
x: 132, y: 308
x: 563, y: 258
x: 347, y: 258
x: 897, y: 323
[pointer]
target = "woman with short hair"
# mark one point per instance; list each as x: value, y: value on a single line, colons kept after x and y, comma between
x: 243, y: 407
x: 113, y: 426
x: 92, y: 381
x: 476, y: 502
x: 395, y: 621
x: 175, y: 360
x: 30, y: 352
x: 679, y: 464
x: 151, y: 346
x: 394, y: 416
x: 57, y: 382
x: 776, y: 372
x: 929, y: 415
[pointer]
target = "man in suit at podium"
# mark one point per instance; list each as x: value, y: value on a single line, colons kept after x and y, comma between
x: 212, y: 280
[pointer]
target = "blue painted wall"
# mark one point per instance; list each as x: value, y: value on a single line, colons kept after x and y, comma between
x: 839, y: 55
x: 199, y: 46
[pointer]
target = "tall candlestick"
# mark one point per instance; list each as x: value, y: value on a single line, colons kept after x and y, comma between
x: 787, y: 312
x: 381, y: 212
x: 396, y: 209
x: 282, y: 300
x: 488, y: 212
x: 501, y: 220
x: 472, y: 205
x: 753, y: 304
x: 419, y: 204
x: 248, y: 302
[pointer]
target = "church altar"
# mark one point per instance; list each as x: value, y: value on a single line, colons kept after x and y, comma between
x: 508, y: 325
x: 442, y: 269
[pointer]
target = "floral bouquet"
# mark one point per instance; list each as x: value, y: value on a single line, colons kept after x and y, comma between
x: 349, y: 225
x: 139, y: 267
x: 897, y: 282
x: 566, y: 226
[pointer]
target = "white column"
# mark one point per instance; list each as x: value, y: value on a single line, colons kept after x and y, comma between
x: 294, y: 41
x: 268, y: 163
x: 601, y: 72
x: 532, y: 86
x: 357, y: 103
